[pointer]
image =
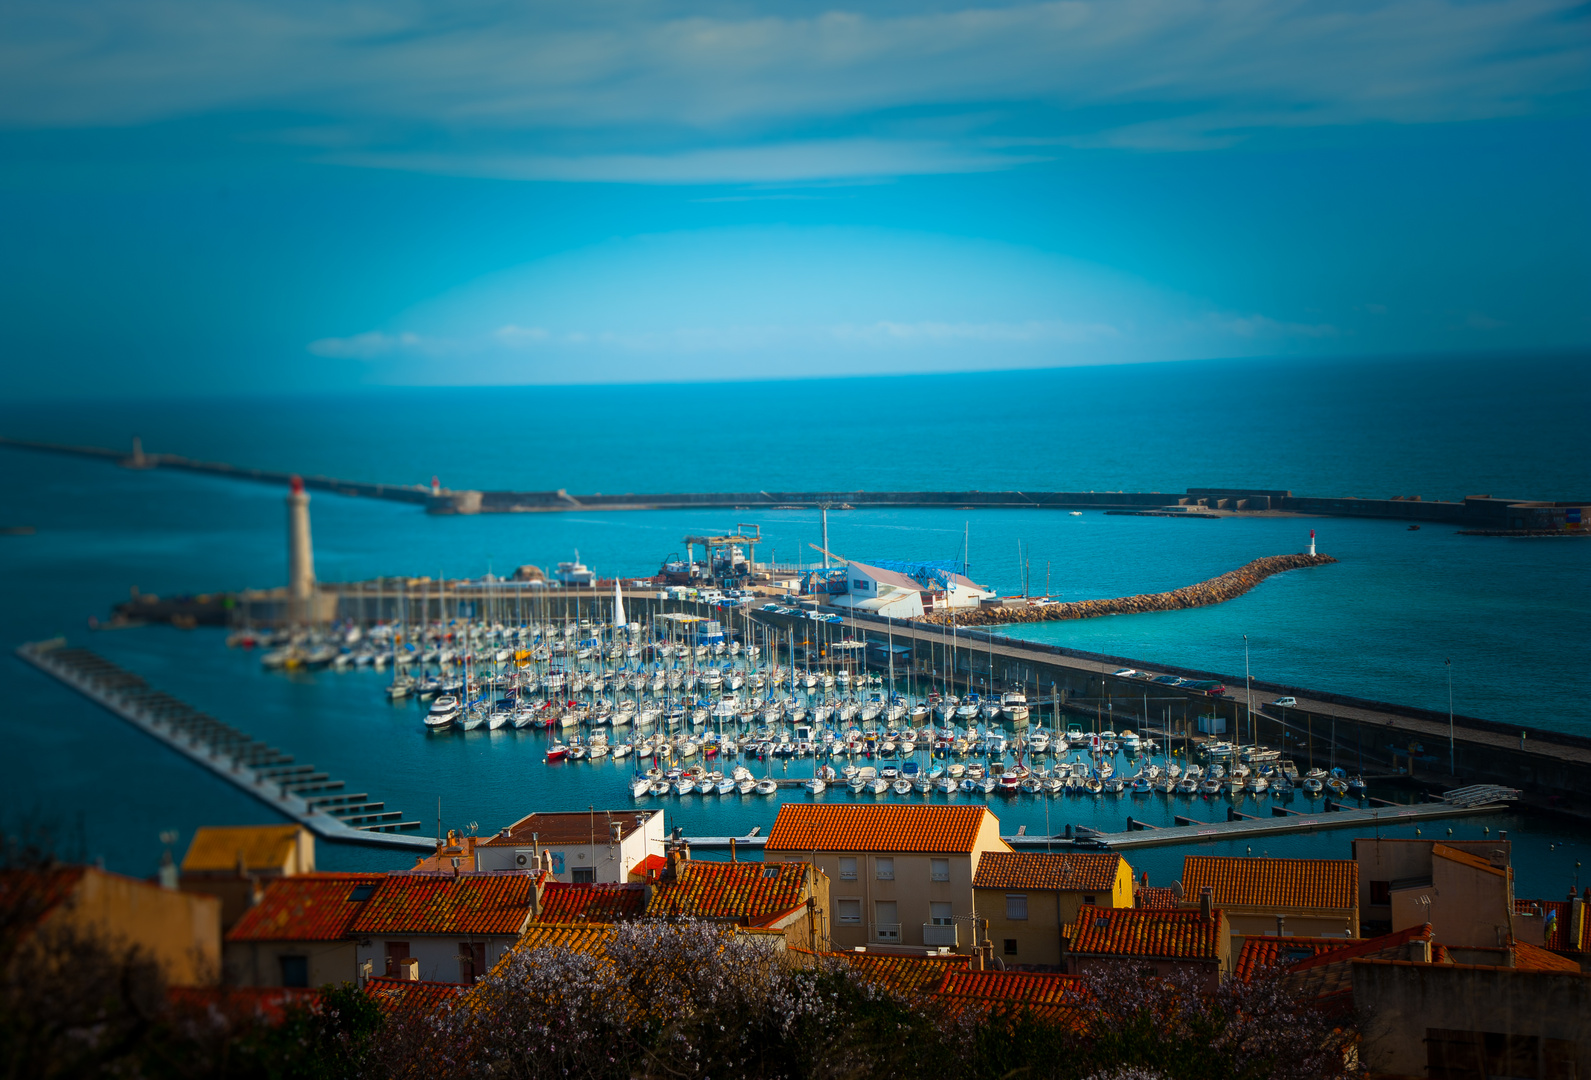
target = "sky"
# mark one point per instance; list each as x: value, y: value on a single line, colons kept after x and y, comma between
x: 269, y: 195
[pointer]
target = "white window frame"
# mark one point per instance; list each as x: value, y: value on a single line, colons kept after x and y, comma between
x: 884, y: 868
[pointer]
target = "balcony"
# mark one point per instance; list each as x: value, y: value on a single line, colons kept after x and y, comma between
x: 934, y: 934
x: 886, y: 933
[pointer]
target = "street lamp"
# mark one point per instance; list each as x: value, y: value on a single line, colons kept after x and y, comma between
x: 1452, y: 771
x: 1248, y: 683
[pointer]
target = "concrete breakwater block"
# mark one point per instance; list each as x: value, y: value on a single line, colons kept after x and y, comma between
x: 1226, y: 587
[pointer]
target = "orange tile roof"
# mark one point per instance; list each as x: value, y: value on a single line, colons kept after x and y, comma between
x: 466, y: 904
x: 901, y: 974
x: 1092, y: 872
x: 590, y: 903
x: 562, y: 829
x: 28, y: 896
x: 1331, y: 972
x: 649, y: 868
x: 307, y: 907
x: 267, y: 1003
x: 1025, y: 986
x: 394, y: 996
x: 722, y: 890
x: 1154, y: 898
x: 1528, y: 957
x: 1262, y: 952
x: 1133, y: 932
x: 853, y: 827
x: 1442, y: 851
x: 1246, y: 882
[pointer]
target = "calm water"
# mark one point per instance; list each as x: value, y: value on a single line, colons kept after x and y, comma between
x: 1513, y: 616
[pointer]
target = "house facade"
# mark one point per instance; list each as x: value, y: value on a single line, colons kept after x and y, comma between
x: 440, y: 928
x: 1464, y: 889
x: 1150, y: 941
x: 231, y: 862
x: 1028, y: 899
x: 1306, y: 897
x: 604, y: 846
x: 899, y: 876
x: 297, y: 932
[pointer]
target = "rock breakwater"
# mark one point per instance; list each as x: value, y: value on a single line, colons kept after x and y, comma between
x: 1217, y: 590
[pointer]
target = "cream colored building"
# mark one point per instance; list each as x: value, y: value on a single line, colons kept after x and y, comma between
x: 1028, y: 899
x: 900, y: 876
x: 1276, y: 897
x: 592, y: 847
x: 1464, y: 889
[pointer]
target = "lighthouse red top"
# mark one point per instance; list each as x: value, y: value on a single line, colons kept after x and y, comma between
x: 298, y: 485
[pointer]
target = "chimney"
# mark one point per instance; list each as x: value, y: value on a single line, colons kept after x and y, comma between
x: 732, y: 856
x: 1207, y: 903
x: 1281, y: 926
x: 1424, y: 949
x: 538, y: 883
x: 409, y: 968
x: 1575, y: 931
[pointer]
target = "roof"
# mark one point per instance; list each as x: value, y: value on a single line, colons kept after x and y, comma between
x: 393, y: 996
x: 730, y: 890
x: 1263, y: 952
x: 896, y: 972
x: 267, y: 1003
x: 1246, y: 882
x: 1034, y: 988
x: 649, y: 868
x: 885, y: 827
x: 1442, y: 851
x: 1154, y: 898
x: 1183, y: 935
x: 561, y: 829
x: 261, y: 847
x: 1093, y: 872
x: 1528, y: 957
x: 590, y: 903
x: 1330, y: 972
x: 886, y: 577
x: 306, y: 907
x: 466, y: 904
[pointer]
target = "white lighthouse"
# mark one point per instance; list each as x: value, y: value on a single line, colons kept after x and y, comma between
x: 1311, y: 540
x: 300, y: 552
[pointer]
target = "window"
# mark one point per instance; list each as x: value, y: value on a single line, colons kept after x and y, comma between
x: 1010, y: 946
x: 859, y: 586
x: 770, y: 871
x: 885, y: 868
x: 1381, y: 892
x: 850, y: 911
x: 1016, y: 905
x: 886, y: 920
x: 847, y: 868
x: 295, y: 970
x: 472, y: 960
x: 361, y: 893
x: 939, y: 913
x: 939, y: 869
x: 584, y: 875
x: 396, y: 951
x: 1089, y: 899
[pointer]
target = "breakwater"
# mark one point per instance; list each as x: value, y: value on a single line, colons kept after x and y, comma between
x: 1217, y: 590
x: 1474, y: 512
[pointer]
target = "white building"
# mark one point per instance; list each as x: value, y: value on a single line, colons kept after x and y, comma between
x: 880, y: 592
x: 601, y: 846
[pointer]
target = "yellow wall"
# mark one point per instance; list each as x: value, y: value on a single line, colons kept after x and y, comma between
x: 1038, y: 937
x: 179, y: 930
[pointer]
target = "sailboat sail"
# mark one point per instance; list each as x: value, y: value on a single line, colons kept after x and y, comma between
x: 618, y: 606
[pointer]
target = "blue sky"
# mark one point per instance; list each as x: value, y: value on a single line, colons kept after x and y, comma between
x: 205, y: 197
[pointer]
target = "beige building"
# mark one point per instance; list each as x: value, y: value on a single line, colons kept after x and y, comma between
x: 1163, y: 942
x: 1028, y: 899
x: 231, y: 862
x: 1465, y: 890
x: 1282, y: 897
x: 592, y: 847
x: 899, y: 876
x: 181, y: 932
x: 297, y: 932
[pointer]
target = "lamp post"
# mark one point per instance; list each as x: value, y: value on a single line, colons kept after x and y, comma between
x: 1452, y: 771
x: 1248, y: 684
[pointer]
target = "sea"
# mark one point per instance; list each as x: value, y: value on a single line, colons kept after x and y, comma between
x: 1508, y: 619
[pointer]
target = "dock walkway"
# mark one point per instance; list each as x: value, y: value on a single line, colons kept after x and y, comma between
x: 298, y: 792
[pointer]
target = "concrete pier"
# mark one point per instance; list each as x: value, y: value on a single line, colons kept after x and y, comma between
x: 295, y: 791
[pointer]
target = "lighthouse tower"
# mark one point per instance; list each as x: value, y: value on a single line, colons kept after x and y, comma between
x: 300, y: 552
x: 1311, y: 540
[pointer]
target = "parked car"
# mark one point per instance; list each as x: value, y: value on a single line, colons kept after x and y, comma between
x: 1167, y: 680
x: 1285, y: 703
x: 1126, y: 673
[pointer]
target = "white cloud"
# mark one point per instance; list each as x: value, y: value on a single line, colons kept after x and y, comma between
x: 371, y: 345
x: 1263, y: 326
x: 668, y: 92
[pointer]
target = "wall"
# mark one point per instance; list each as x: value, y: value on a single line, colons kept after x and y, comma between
x: 1038, y: 937
x: 180, y: 930
x: 1301, y: 922
x: 1393, y: 860
x: 1399, y: 1003
x: 912, y: 889
x: 438, y: 956
x: 258, y: 963
x: 612, y: 863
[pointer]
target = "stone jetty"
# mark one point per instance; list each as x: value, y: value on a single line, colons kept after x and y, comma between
x: 1226, y: 587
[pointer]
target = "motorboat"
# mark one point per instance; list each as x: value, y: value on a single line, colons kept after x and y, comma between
x: 816, y: 785
x: 767, y: 786
x: 444, y: 710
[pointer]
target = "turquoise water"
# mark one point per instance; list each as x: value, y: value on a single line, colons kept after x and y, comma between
x: 1512, y: 615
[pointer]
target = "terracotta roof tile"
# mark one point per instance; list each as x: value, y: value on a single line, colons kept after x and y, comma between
x: 27, y: 896
x: 1470, y: 859
x: 720, y: 890
x: 268, y: 1003
x: 1154, y: 898
x: 908, y: 975
x: 395, y: 996
x: 850, y: 827
x: 1246, y: 882
x: 466, y: 904
x: 590, y: 903
x: 1560, y: 930
x: 1092, y: 872
x: 1528, y: 957
x: 649, y: 868
x: 1132, y: 932
x: 577, y: 937
x: 1330, y: 972
x: 216, y: 849
x: 1262, y: 952
x: 306, y: 907
x: 563, y: 829
x: 1051, y: 996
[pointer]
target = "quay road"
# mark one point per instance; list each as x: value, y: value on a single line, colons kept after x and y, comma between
x: 1552, y: 768
x: 1475, y: 512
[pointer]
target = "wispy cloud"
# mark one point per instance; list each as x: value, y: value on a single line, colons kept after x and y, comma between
x: 372, y: 345
x: 670, y: 92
